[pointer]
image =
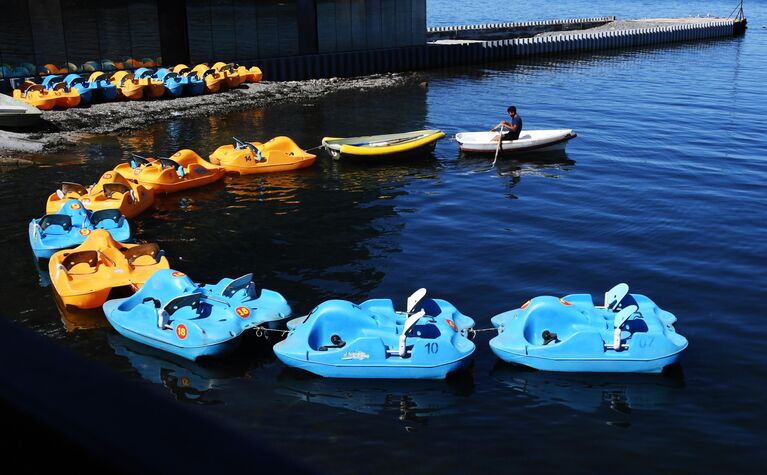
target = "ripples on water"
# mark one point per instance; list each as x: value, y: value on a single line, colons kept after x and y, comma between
x: 663, y: 188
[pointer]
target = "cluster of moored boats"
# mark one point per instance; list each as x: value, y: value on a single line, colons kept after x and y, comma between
x: 74, y: 89
x: 86, y: 237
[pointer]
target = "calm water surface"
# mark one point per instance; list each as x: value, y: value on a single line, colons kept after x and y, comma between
x: 663, y: 189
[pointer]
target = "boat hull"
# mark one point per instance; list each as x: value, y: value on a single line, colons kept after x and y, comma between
x: 368, y: 371
x: 529, y: 142
x: 402, y: 145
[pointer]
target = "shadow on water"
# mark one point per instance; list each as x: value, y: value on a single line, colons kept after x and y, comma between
x: 410, y: 401
x: 592, y: 392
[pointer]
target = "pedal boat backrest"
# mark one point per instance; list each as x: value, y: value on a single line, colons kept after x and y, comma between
x: 91, y: 258
x: 112, y: 188
x: 63, y: 220
x: 241, y: 144
x: 621, y: 318
x: 69, y: 187
x: 174, y: 305
x: 138, y: 160
x: 614, y: 296
x: 177, y: 303
x: 134, y: 253
x: 413, y: 317
x: 105, y: 215
x: 244, y: 282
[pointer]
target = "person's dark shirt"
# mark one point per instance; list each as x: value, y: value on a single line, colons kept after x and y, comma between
x: 514, y: 134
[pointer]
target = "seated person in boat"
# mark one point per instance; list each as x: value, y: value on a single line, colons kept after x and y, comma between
x: 510, y: 130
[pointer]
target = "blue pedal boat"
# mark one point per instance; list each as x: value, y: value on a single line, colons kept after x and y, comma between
x: 174, y: 84
x: 339, y: 339
x: 193, y: 85
x: 103, y: 90
x: 628, y: 334
x: 71, y: 226
x: 53, y: 82
x: 172, y: 313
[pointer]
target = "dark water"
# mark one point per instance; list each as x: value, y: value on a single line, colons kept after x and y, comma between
x: 663, y: 189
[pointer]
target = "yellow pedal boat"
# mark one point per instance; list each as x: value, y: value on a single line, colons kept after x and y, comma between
x: 113, y: 191
x: 418, y: 142
x: 128, y: 87
x: 183, y: 170
x: 277, y: 155
x: 252, y: 74
x: 84, y: 276
x: 35, y: 95
x: 213, y: 80
x: 232, y: 77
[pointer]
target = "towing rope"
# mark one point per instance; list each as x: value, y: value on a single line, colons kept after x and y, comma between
x: 474, y: 331
x: 262, y: 332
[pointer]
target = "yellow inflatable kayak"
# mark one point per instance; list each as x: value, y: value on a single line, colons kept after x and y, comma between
x: 184, y: 170
x: 112, y: 191
x: 277, y: 155
x: 417, y: 142
x: 84, y: 276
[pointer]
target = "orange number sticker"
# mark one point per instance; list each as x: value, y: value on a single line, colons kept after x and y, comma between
x: 75, y: 206
x: 107, y: 176
x: 86, y: 201
x: 181, y: 331
x: 85, y: 232
x: 452, y: 324
x: 524, y: 305
x: 564, y: 302
x: 137, y: 171
x: 178, y: 274
x: 243, y: 312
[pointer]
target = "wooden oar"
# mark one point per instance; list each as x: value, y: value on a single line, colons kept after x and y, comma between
x: 498, y: 147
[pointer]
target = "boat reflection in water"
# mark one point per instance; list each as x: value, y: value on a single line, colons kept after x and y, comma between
x: 410, y: 401
x: 186, y: 380
x: 75, y: 318
x: 592, y: 392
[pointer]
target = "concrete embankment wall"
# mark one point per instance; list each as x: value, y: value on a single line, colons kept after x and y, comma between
x: 444, y: 55
x: 435, y: 55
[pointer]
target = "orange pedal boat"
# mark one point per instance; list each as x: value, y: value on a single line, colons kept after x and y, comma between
x: 113, y: 191
x: 128, y: 87
x: 277, y: 155
x: 84, y: 276
x: 232, y: 77
x: 184, y: 170
x: 252, y: 74
x: 35, y: 95
x: 212, y: 79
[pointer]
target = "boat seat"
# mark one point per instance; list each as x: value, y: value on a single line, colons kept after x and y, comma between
x: 63, y: 220
x: 244, y: 282
x: 177, y: 303
x: 138, y: 160
x: 81, y: 257
x: 430, y: 307
x: 105, y: 215
x: 150, y: 249
x: 112, y: 188
x: 69, y: 187
x: 168, y: 163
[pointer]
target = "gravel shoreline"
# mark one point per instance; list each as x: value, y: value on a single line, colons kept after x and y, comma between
x: 67, y: 127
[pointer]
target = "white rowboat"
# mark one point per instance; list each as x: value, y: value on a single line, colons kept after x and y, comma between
x: 528, y: 141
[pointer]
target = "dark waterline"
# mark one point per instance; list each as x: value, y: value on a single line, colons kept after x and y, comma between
x: 663, y: 189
